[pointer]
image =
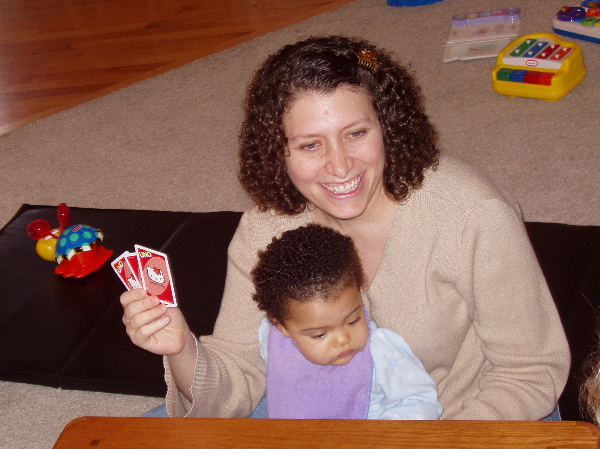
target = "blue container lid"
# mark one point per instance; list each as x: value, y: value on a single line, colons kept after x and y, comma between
x: 410, y: 2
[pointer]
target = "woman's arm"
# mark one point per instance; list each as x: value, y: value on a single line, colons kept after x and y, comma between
x: 161, y: 330
x: 526, y: 353
x: 228, y: 379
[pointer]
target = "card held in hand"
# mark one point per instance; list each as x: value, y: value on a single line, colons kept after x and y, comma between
x: 134, y: 266
x: 125, y: 272
x: 155, y: 275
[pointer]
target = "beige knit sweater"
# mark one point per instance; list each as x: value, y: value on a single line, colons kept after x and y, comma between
x: 458, y: 281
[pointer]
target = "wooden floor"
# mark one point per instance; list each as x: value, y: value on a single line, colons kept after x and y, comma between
x: 55, y: 54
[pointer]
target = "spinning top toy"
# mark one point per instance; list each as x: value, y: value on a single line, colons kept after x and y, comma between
x: 77, y: 248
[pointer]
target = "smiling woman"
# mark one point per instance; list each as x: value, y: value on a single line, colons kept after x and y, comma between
x: 332, y: 139
x: 394, y: 113
x: 335, y: 153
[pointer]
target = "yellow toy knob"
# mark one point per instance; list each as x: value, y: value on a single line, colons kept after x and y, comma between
x: 46, y: 247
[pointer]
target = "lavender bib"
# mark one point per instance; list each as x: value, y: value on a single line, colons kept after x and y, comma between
x: 299, y: 389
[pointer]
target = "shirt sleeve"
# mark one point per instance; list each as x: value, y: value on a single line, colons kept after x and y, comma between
x: 401, y: 388
x: 514, y: 317
x: 229, y: 375
x: 263, y: 336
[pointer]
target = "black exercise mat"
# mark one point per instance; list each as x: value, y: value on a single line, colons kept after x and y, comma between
x: 68, y: 332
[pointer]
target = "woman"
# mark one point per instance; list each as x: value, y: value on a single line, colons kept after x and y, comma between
x: 335, y: 134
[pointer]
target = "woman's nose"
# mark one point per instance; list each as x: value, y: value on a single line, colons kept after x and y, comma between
x: 339, y: 163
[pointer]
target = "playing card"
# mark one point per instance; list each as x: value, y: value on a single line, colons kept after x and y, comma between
x: 125, y: 272
x: 155, y: 275
x: 134, y: 265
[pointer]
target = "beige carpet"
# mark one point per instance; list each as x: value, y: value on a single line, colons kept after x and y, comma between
x: 170, y: 143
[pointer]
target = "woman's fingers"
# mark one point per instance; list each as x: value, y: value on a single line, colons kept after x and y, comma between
x: 131, y: 296
x: 140, y: 303
x: 151, y: 325
x: 145, y: 336
x: 142, y: 312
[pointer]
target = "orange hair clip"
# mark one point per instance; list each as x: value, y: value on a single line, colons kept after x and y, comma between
x: 368, y: 59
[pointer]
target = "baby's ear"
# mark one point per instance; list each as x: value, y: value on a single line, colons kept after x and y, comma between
x: 281, y: 327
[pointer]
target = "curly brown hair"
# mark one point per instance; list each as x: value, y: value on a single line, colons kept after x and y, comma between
x: 304, y: 264
x: 590, y: 390
x: 589, y: 393
x: 323, y: 64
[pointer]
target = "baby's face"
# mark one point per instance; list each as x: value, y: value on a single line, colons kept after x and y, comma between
x: 329, y: 332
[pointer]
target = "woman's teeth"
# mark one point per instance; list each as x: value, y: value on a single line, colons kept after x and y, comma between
x: 344, y: 188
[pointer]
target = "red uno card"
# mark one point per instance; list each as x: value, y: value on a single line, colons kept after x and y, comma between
x: 155, y: 275
x: 134, y: 265
x: 125, y: 272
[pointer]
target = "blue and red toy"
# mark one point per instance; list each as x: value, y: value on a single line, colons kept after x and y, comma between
x: 77, y: 248
x: 579, y: 22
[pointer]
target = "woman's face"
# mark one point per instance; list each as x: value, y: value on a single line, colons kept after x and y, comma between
x: 335, y: 152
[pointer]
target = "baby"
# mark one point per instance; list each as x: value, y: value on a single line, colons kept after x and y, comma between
x: 324, y: 358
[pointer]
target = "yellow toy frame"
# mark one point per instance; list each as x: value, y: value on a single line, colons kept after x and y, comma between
x: 549, y: 74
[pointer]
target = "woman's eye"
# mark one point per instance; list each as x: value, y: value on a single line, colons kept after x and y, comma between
x: 309, y: 147
x: 357, y: 134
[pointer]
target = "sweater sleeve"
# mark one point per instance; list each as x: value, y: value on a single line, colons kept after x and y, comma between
x: 229, y: 376
x: 526, y: 353
x: 401, y: 388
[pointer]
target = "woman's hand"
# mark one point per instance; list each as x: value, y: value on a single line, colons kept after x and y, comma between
x: 153, y: 326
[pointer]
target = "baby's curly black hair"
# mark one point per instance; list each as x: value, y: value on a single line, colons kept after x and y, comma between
x: 304, y: 264
x: 323, y: 64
